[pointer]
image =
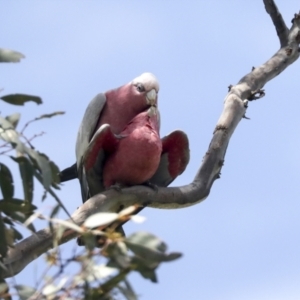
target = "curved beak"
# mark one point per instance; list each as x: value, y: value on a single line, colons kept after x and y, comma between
x: 152, y: 97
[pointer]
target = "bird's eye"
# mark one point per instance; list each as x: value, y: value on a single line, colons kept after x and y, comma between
x: 140, y: 87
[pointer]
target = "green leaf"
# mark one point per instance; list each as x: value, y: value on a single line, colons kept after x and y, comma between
x: 26, y: 171
x: 6, y: 182
x: 8, y: 134
x: 50, y: 191
x: 20, y: 99
x: 7, y: 55
x: 44, y: 166
x: 88, y: 240
x: 21, y: 217
x: 25, y: 292
x: 146, y: 271
x: 16, y: 205
x: 147, y: 240
x: 3, y: 243
x: 150, y: 248
x: 55, y: 211
x: 17, y: 235
x: 55, y: 175
x: 118, y: 254
x: 8, y: 221
x: 13, y: 119
x: 127, y: 290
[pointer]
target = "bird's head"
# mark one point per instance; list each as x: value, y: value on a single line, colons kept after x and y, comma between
x: 146, y: 85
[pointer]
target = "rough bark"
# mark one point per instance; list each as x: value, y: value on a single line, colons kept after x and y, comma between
x: 235, y: 105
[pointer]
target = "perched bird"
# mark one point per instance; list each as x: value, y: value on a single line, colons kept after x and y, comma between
x: 135, y: 156
x: 115, y: 107
x: 129, y: 158
x: 118, y: 141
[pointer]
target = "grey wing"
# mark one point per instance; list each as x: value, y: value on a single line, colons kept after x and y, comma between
x: 88, y: 124
x: 91, y: 180
x: 90, y: 171
x: 86, y: 129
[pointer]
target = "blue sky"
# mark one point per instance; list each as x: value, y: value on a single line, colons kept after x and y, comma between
x: 242, y: 242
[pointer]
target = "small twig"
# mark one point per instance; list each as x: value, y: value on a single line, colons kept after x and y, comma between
x: 41, y: 117
x: 28, y: 141
x: 6, y: 151
x: 6, y: 144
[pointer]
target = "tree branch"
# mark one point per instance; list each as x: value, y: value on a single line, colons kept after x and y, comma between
x: 281, y: 28
x: 176, y: 197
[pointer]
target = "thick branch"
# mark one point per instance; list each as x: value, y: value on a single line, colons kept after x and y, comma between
x: 175, y: 197
x: 281, y: 28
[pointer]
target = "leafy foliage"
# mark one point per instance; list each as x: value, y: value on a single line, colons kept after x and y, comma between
x: 32, y: 164
x: 141, y: 252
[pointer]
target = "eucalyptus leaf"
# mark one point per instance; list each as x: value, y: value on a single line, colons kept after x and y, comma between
x: 26, y: 171
x: 55, y: 175
x: 150, y: 248
x: 7, y: 55
x: 13, y: 119
x: 25, y: 292
x: 8, y: 134
x: 44, y: 166
x: 38, y: 176
x: 55, y: 211
x: 118, y: 254
x: 6, y: 182
x: 148, y: 240
x: 9, y: 236
x: 16, y: 205
x: 144, y: 269
x: 17, y: 235
x: 127, y: 290
x: 21, y: 99
x: 3, y: 243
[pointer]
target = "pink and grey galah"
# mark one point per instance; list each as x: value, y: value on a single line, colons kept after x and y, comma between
x: 118, y: 141
x: 131, y: 157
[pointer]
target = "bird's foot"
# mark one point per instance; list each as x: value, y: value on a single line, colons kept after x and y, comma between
x: 117, y: 187
x: 151, y: 185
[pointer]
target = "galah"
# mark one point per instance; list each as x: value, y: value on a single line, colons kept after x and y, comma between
x: 135, y: 156
x: 116, y: 108
x: 129, y: 158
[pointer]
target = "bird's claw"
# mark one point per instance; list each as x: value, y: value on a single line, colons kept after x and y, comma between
x: 151, y: 185
x: 117, y: 187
